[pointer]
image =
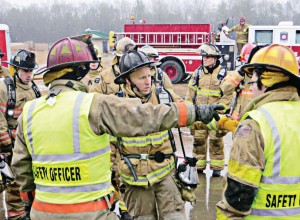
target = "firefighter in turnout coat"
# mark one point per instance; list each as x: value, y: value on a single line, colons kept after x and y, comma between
x: 14, y: 93
x: 204, y: 88
x: 153, y: 194
x: 263, y: 178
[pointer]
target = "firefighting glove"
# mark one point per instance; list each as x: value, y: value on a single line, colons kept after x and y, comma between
x: 206, y: 113
x: 126, y: 216
x: 228, y: 124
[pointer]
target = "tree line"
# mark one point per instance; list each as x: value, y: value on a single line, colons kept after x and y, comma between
x: 46, y: 24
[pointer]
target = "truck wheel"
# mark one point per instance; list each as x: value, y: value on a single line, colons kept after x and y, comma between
x: 174, y: 70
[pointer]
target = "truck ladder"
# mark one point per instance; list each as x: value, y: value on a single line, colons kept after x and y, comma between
x: 166, y: 38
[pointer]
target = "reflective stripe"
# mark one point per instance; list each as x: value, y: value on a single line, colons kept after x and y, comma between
x: 246, y: 92
x: 234, y: 80
x: 159, y: 138
x: 159, y: 174
x: 76, y: 139
x: 66, y: 157
x: 276, y: 178
x: 244, y: 172
x: 17, y: 112
x: 276, y: 212
x: 88, y: 188
x: 182, y: 114
x: 209, y: 92
x: 3, y: 108
x: 4, y: 136
x: 217, y: 162
x: 212, y: 125
x: 201, y: 163
x: 192, y: 87
x: 152, y: 177
x: 94, y: 206
x: 29, y: 124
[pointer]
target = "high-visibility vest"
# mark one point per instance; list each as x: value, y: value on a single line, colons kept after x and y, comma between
x: 70, y: 163
x: 278, y: 195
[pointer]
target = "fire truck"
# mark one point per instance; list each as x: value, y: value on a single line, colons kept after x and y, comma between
x: 5, y: 42
x: 177, y: 44
x: 284, y: 33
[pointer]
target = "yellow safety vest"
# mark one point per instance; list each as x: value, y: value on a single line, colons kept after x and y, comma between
x: 278, y: 194
x: 70, y: 163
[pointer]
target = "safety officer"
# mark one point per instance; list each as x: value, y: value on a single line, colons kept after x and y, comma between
x: 204, y: 88
x: 104, y: 83
x: 15, y: 91
x: 3, y: 70
x: 147, y: 194
x: 61, y: 155
x: 159, y: 76
x: 263, y: 176
x: 242, y: 30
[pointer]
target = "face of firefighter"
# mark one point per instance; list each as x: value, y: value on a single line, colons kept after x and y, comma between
x: 242, y: 23
x: 253, y: 86
x: 25, y: 75
x: 94, y: 66
x: 209, y: 61
x: 142, y: 79
x: 0, y: 61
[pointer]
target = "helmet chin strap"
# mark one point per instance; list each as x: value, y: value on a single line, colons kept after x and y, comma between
x: 132, y: 86
x: 17, y: 75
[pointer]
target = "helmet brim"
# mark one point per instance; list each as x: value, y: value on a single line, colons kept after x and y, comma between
x: 36, y: 66
x: 69, y: 64
x: 121, y: 78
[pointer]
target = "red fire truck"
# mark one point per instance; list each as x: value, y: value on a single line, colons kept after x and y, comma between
x: 284, y: 33
x: 5, y: 42
x: 177, y: 45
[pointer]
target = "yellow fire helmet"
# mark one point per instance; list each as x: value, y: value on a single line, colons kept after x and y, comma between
x: 275, y: 58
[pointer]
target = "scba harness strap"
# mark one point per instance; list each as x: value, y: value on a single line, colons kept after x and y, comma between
x: 11, y: 92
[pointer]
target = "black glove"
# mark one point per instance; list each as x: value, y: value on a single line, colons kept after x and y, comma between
x: 126, y: 216
x: 7, y: 149
x: 206, y: 113
x: 242, y: 73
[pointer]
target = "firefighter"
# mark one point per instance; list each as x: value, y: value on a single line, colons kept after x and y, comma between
x: 236, y: 83
x: 263, y: 178
x: 204, y: 88
x: 95, y: 68
x: 3, y: 71
x: 159, y: 76
x: 104, y: 84
x: 61, y: 155
x: 15, y: 91
x: 147, y: 196
x: 242, y: 30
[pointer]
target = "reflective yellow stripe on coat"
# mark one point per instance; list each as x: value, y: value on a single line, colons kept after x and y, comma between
x: 278, y: 194
x: 70, y: 163
x: 143, y: 142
